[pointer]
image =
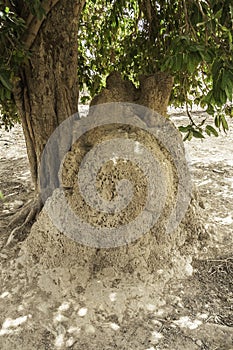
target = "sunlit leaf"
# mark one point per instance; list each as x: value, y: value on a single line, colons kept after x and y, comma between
x: 210, y: 130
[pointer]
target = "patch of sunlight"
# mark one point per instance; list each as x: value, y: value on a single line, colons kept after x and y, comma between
x: 150, y: 307
x: 156, y: 336
x: 202, y: 316
x: 226, y: 221
x: 229, y: 179
x: 157, y: 323
x: 160, y: 312
x: 112, y: 296
x: 151, y: 348
x: 15, y: 323
x: 6, y: 331
x: 225, y: 192
x: 74, y: 330
x: 185, y: 322
x: 10, y: 323
x: 59, y: 341
x: 4, y: 295
x: 205, y: 182
x: 90, y: 329
x: 64, y: 306
x: 70, y: 342
x: 188, y: 269
x: 25, y: 175
x: 114, y: 160
x: 20, y: 307
x: 82, y: 312
x: 114, y: 326
x: 137, y: 148
x: 59, y: 318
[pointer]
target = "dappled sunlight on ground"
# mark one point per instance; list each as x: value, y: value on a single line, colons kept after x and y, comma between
x: 37, y: 311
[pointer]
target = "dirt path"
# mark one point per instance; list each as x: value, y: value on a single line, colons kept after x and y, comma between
x: 195, y: 313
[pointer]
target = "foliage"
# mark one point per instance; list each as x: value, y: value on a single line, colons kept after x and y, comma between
x: 12, y: 51
x: 190, y: 39
x: 11, y: 56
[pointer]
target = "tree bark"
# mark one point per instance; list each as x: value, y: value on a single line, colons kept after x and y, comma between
x: 47, y: 91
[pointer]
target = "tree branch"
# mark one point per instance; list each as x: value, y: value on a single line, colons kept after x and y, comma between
x: 186, y: 16
x: 34, y: 23
x: 189, y: 115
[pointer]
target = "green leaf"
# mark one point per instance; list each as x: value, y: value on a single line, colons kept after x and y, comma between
x: 222, y: 97
x: 210, y: 130
x: 178, y: 62
x: 2, y: 94
x: 218, y: 93
x: 198, y: 134
x: 230, y: 40
x: 229, y: 92
x: 208, y: 98
x: 1, y: 195
x: 217, y: 121
x: 225, y: 78
x: 210, y: 110
x: 224, y: 123
x: 184, y: 128
x: 5, y: 80
x: 188, y: 136
x: 191, y: 65
x: 217, y: 65
x: 218, y: 14
x: 8, y: 94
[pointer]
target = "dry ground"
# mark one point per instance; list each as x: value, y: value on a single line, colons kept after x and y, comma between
x: 190, y: 314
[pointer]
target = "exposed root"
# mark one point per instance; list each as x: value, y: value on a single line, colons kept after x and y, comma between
x: 27, y: 215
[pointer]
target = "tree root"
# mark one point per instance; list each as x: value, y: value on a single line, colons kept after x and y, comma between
x: 27, y: 215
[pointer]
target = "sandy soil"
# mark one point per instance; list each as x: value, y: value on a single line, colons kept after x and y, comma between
x: 190, y: 314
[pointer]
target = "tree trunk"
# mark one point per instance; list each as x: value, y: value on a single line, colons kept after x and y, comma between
x: 47, y: 92
x: 154, y: 91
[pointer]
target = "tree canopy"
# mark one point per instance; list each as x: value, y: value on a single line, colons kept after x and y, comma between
x: 189, y: 39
